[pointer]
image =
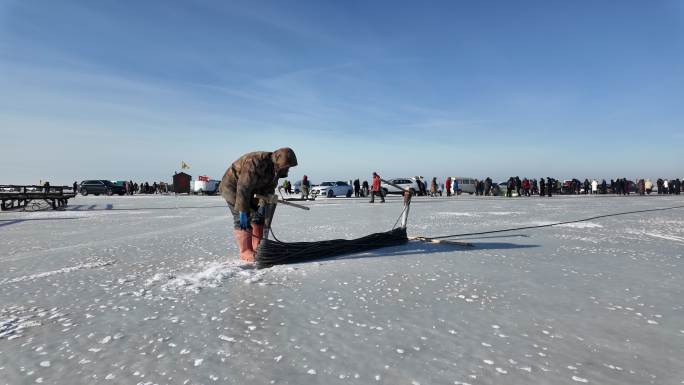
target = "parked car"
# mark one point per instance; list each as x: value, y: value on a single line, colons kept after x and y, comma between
x: 465, y: 185
x: 405, y: 183
x: 332, y: 189
x: 100, y: 186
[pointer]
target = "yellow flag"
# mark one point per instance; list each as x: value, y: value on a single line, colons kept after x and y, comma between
x: 184, y: 165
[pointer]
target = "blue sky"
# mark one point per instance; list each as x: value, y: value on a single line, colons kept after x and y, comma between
x: 126, y: 90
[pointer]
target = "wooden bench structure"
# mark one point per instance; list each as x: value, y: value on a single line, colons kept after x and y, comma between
x: 16, y: 197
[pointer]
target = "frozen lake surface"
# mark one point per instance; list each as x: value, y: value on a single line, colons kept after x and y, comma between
x: 149, y: 290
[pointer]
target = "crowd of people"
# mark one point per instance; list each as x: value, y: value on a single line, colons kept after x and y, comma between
x: 514, y: 186
x: 549, y: 186
x: 146, y: 188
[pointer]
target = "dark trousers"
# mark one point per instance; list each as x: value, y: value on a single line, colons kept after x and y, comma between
x: 378, y: 193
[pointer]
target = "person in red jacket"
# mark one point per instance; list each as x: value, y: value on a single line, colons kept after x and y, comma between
x: 375, y: 189
x: 447, y: 186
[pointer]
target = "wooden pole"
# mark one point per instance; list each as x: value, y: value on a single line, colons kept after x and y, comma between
x: 271, y: 202
x: 407, y: 207
x: 286, y: 203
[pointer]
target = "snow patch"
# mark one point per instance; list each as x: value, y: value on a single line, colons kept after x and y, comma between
x: 456, y: 214
x: 582, y: 225
x: 15, y: 319
x: 212, y: 275
x: 666, y: 236
x: 82, y: 266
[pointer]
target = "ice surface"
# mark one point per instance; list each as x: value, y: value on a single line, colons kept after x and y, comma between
x: 150, y: 290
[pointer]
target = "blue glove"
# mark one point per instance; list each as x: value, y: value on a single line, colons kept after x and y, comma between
x: 244, y: 220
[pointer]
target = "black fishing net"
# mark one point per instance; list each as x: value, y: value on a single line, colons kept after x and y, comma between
x: 274, y: 252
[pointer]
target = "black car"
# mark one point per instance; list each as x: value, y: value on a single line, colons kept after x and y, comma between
x: 97, y: 187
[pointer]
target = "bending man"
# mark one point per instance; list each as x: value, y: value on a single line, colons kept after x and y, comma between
x: 254, y: 173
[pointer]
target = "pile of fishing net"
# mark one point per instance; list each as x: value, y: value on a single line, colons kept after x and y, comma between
x: 274, y: 252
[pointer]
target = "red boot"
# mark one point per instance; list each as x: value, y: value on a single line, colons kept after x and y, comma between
x: 257, y: 234
x: 244, y: 242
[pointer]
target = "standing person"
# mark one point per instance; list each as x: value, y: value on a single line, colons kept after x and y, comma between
x: 549, y: 186
x: 510, y: 187
x: 357, y: 188
x: 423, y: 186
x: 304, y: 187
x: 542, y: 187
x: 433, y: 187
x: 625, y: 186
x: 376, y: 190
x: 648, y: 186
x: 364, y: 188
x: 75, y: 187
x: 487, y: 186
x: 594, y: 186
x: 447, y: 186
x: 253, y: 173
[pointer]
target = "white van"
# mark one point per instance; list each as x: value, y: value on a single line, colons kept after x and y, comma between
x: 466, y: 185
x: 202, y: 187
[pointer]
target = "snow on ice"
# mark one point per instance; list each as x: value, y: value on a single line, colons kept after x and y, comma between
x: 151, y: 291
